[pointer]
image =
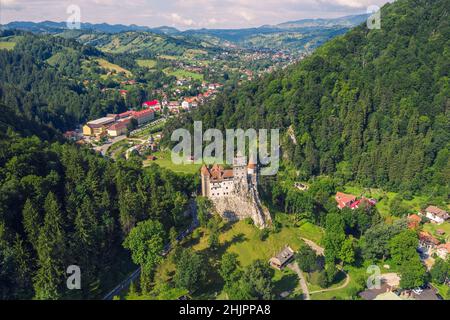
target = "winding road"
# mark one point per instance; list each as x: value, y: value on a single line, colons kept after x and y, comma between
x: 305, y: 291
x: 294, y: 266
x: 132, y: 277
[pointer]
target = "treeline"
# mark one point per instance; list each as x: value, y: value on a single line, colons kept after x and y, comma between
x: 61, y: 205
x: 43, y: 80
x: 370, y: 106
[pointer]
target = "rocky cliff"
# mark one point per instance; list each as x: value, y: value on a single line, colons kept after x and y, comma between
x: 241, y: 205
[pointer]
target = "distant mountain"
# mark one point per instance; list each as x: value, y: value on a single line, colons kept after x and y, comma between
x: 58, y: 27
x: 347, y: 21
x: 298, y: 35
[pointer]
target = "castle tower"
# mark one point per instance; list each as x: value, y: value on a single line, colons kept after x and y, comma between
x: 205, y: 181
x: 240, y: 170
x: 252, y: 171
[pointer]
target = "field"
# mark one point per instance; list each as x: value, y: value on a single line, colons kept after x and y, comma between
x: 243, y: 239
x: 7, y: 45
x: 432, y: 228
x: 146, y: 63
x: 112, y: 67
x: 183, y: 74
x: 164, y: 160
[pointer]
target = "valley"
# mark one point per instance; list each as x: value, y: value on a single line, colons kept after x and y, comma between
x: 363, y: 181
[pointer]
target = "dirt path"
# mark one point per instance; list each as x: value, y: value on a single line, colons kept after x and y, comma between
x: 318, y: 249
x: 347, y: 280
x: 294, y: 267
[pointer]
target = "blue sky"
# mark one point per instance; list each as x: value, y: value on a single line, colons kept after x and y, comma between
x: 183, y: 14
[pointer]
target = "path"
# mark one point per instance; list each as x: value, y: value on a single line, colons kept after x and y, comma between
x: 320, y: 250
x: 132, y: 277
x: 347, y: 280
x: 294, y: 267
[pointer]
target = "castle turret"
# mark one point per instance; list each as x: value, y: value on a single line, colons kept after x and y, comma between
x: 205, y: 181
x: 240, y: 169
x: 252, y: 171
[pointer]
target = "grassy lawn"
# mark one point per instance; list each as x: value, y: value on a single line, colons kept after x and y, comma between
x: 443, y: 290
x: 183, y: 74
x: 164, y: 159
x: 168, y: 57
x: 112, y: 67
x: 146, y: 63
x: 432, y: 228
x: 342, y: 294
x: 243, y: 239
x: 7, y: 45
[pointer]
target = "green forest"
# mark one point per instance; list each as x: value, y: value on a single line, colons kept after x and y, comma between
x: 371, y: 106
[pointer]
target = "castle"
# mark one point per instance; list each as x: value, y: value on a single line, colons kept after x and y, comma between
x: 234, y: 191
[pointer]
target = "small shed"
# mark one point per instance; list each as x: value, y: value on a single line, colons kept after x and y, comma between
x: 282, y: 258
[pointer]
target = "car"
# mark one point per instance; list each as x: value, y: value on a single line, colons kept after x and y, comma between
x: 418, y: 291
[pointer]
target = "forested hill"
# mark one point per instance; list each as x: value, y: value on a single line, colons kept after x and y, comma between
x: 371, y: 106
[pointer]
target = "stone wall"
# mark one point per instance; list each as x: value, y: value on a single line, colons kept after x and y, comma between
x: 241, y: 205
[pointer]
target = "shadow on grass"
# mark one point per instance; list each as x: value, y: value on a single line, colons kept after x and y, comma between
x: 287, y: 283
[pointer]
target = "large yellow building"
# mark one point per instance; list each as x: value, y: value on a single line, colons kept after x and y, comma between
x: 97, y: 127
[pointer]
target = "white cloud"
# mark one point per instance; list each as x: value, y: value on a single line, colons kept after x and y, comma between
x: 185, y: 13
x: 9, y: 4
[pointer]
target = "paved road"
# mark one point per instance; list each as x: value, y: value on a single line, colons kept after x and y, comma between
x: 294, y: 267
x: 132, y: 277
x: 104, y: 148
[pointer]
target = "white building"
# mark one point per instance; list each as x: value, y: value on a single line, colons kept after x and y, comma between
x: 218, y: 182
x: 436, y: 214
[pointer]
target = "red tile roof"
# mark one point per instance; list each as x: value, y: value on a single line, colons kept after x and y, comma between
x: 150, y: 103
x: 143, y: 113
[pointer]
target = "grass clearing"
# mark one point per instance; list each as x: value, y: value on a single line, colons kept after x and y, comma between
x: 6, y: 45
x: 183, y: 74
x: 244, y: 239
x: 146, y: 63
x: 112, y: 67
x: 164, y: 160
x: 432, y: 228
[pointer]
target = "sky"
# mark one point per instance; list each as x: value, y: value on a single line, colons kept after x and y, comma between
x: 182, y: 14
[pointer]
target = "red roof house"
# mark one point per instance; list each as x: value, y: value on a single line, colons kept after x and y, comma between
x: 344, y: 200
x: 151, y: 103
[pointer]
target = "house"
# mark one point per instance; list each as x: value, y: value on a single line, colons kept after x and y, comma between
x: 363, y: 203
x: 414, y: 221
x: 152, y: 103
x: 443, y: 250
x: 301, y: 186
x: 427, y: 242
x: 126, y: 114
x: 71, y: 135
x: 98, y: 127
x: 119, y: 128
x: 282, y: 259
x: 436, y: 214
x: 185, y: 105
x: 144, y: 116
x: 344, y: 200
